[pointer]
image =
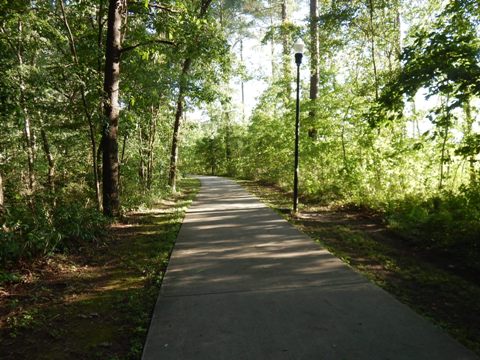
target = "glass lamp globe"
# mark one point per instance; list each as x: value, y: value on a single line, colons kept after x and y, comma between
x: 299, y: 46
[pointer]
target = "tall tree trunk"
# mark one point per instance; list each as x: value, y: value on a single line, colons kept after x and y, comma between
x: 398, y: 30
x: 27, y: 127
x: 314, y: 51
x: 241, y: 83
x: 469, y: 120
x: 372, y: 46
x: 444, y: 144
x: 172, y: 176
x: 141, y: 165
x: 442, y: 157
x: 344, y: 144
x: 100, y: 25
x: 111, y: 200
x: 29, y: 144
x: 93, y: 144
x: 97, y: 162
x: 176, y: 125
x: 2, y: 198
x: 86, y: 108
x: 50, y: 160
x: 272, y: 42
x: 314, y: 60
x: 287, y: 67
x: 151, y: 145
x: 228, y: 146
x: 395, y: 46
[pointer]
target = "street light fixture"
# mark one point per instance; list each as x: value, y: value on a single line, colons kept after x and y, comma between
x: 298, y: 47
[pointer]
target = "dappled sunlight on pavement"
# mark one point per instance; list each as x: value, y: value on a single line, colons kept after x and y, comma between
x: 242, y: 283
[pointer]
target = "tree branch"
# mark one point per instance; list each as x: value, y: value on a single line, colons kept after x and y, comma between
x: 164, y: 8
x: 158, y: 41
x: 204, y: 7
x: 160, y: 7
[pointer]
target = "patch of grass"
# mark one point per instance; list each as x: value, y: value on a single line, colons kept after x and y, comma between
x: 275, y: 197
x: 440, y: 293
x: 97, y: 303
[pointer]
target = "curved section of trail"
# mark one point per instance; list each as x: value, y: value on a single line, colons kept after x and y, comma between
x: 242, y: 283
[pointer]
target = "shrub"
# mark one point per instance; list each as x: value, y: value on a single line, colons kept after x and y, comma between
x: 36, y: 228
x: 448, y: 222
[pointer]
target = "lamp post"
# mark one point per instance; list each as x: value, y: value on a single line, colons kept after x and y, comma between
x: 298, y: 47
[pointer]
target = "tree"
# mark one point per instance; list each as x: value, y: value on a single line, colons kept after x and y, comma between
x: 203, y: 44
x: 314, y: 50
x: 443, y: 57
x: 111, y: 201
x: 2, y: 198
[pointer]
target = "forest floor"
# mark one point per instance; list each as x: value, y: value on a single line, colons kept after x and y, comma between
x: 95, y: 303
x: 437, y: 288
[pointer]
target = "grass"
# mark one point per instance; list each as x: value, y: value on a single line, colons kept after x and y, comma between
x: 96, y: 303
x: 436, y: 288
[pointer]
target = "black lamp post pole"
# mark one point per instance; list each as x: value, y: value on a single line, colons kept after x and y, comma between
x: 298, y: 61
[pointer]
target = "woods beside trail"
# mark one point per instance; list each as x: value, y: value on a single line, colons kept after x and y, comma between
x: 105, y: 105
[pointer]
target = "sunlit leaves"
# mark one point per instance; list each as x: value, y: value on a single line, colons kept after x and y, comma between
x: 443, y: 58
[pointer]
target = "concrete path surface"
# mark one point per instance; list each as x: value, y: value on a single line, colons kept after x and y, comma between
x: 242, y: 283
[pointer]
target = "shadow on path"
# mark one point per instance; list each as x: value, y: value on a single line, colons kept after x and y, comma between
x: 242, y: 283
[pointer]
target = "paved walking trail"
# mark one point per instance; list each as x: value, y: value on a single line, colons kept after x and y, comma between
x: 242, y: 283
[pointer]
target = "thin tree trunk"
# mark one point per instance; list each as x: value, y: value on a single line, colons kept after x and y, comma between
x: 228, y: 147
x: 172, y: 176
x: 141, y: 168
x: 314, y: 55
x: 50, y: 159
x: 2, y: 198
x: 122, y: 162
x: 99, y: 159
x: 93, y: 144
x: 151, y: 144
x: 176, y: 125
x: 372, y: 47
x: 98, y: 150
x: 344, y: 147
x: 111, y: 200
x: 27, y: 127
x: 469, y: 120
x: 443, y: 151
x: 344, y: 150
x: 241, y: 83
x: 100, y: 24
x: 272, y: 42
x: 27, y: 132
x: 314, y: 51
x: 287, y: 71
x: 398, y: 30
x: 88, y: 114
x: 395, y: 47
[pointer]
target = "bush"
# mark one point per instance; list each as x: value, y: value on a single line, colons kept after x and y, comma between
x: 76, y: 223
x: 34, y: 228
x: 448, y: 222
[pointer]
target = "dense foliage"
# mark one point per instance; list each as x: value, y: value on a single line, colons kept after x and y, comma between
x: 54, y: 111
x: 394, y: 127
x: 389, y: 116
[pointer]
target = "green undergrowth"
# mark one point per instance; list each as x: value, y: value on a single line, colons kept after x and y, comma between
x: 447, y: 224
x: 96, y: 304
x: 39, y: 226
x: 439, y: 288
